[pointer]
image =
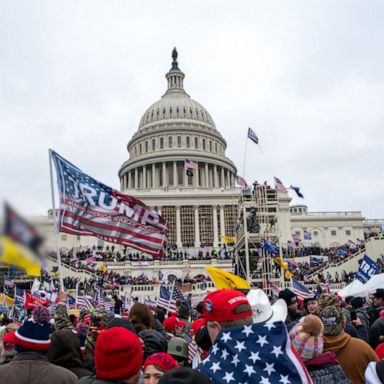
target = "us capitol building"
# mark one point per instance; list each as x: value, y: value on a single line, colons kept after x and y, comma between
x: 199, y: 207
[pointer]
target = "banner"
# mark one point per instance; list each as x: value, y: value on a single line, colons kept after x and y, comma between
x: 91, y: 208
x: 140, y: 263
x: 367, y: 269
x: 30, y: 302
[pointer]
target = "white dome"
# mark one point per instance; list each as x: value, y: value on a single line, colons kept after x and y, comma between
x: 173, y: 106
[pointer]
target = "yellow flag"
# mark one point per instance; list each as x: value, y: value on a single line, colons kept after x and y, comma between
x: 281, y: 262
x: 223, y: 279
x: 13, y: 253
x: 288, y: 275
x: 8, y: 299
x: 228, y: 239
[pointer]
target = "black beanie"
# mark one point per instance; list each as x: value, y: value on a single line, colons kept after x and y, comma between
x: 356, y: 302
x: 185, y: 375
x: 288, y: 296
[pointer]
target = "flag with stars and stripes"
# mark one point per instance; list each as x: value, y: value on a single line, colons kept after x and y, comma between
x: 301, y: 290
x: 167, y: 302
x: 90, y: 208
x: 258, y: 353
x: 84, y: 302
x: 279, y: 185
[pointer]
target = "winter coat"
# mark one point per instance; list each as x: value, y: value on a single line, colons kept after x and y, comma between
x: 325, y: 369
x: 34, y: 368
x: 376, y: 330
x: 353, y: 355
x: 153, y: 342
x: 65, y: 351
x: 94, y: 380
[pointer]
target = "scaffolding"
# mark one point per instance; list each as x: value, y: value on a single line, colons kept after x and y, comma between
x: 258, y: 221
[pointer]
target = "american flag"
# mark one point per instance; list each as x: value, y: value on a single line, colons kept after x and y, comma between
x: 189, y: 164
x: 109, y: 304
x: 279, y: 185
x: 166, y: 302
x: 252, y: 135
x: 243, y: 184
x: 90, y: 208
x: 83, y: 302
x: 274, y: 288
x: 258, y: 353
x: 300, y: 290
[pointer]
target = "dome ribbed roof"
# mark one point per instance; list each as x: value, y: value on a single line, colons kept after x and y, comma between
x: 176, y: 103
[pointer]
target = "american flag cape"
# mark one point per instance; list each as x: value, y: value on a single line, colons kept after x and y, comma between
x: 258, y: 353
x: 90, y: 208
x: 301, y: 290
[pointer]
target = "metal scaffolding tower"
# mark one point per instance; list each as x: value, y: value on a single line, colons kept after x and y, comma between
x: 257, y: 221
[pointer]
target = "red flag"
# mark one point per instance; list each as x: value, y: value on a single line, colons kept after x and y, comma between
x: 31, y: 301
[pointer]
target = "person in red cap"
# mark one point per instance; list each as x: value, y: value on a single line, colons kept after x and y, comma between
x: 156, y: 365
x: 174, y: 325
x: 226, y: 308
x: 118, y: 357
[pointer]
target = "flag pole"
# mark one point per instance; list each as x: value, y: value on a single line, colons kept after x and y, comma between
x: 170, y: 297
x: 245, y: 154
x: 54, y: 223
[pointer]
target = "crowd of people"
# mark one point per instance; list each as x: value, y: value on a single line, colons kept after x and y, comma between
x: 230, y: 336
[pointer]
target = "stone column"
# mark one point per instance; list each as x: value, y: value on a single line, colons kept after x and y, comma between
x: 126, y: 180
x: 196, y: 177
x: 222, y: 177
x: 222, y: 224
x: 178, y: 227
x: 165, y: 181
x: 136, y: 178
x: 215, y: 229
x: 175, y: 173
x: 215, y: 178
x: 197, y: 227
x: 206, y: 176
x: 144, y: 184
x: 154, y: 185
x: 130, y: 180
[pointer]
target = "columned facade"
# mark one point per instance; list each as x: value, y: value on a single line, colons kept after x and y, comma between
x: 177, y: 165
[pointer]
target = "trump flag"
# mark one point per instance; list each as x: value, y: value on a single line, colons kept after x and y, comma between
x: 90, y: 208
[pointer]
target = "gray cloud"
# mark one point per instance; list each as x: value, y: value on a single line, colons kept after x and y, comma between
x: 307, y: 76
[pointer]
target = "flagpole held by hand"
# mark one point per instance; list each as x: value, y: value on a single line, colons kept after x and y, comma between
x: 54, y: 223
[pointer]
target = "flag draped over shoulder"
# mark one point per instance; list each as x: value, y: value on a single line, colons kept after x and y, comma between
x: 19, y: 243
x: 223, y: 279
x: 258, y: 353
x: 90, y: 208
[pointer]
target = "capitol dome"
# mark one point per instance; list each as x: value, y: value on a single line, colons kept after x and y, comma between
x: 177, y: 165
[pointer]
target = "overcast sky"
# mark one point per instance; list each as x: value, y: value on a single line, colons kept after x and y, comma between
x: 307, y: 76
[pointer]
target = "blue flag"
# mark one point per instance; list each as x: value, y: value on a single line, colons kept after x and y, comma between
x: 367, y: 269
x: 252, y: 135
x: 297, y: 190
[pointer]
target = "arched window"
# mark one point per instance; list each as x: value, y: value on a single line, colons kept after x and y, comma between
x: 179, y: 141
x: 188, y: 143
x: 146, y: 146
x: 153, y: 144
x: 204, y: 144
x: 161, y: 143
x: 170, y: 142
x: 196, y: 142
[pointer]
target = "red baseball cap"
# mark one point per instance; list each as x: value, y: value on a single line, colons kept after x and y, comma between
x: 9, y: 341
x: 197, y: 324
x: 172, y: 322
x: 221, y: 305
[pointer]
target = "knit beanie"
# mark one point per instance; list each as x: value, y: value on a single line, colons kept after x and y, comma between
x: 34, y: 334
x: 162, y: 360
x: 307, y: 338
x: 82, y: 331
x: 288, y: 296
x: 118, y: 354
x: 185, y: 375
